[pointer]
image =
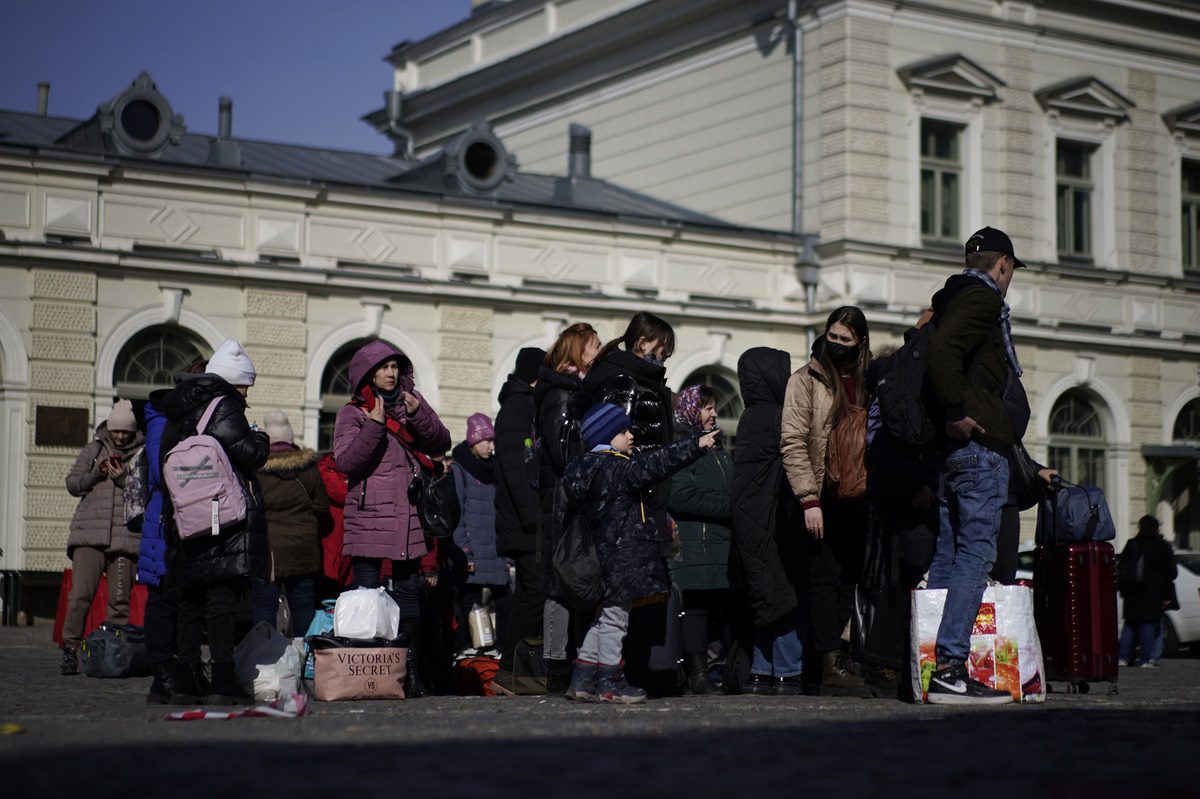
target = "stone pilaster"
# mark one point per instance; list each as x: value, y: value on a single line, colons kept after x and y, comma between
x: 465, y: 360
x: 1018, y: 152
x: 276, y: 340
x: 62, y: 374
x: 1144, y: 142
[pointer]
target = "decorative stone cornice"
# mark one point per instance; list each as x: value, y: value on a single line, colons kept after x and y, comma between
x: 1184, y: 120
x: 953, y: 75
x: 1086, y: 96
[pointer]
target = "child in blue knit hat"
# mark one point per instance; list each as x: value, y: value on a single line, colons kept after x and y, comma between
x: 606, y: 486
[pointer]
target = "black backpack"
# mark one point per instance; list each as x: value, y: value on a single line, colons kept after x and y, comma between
x: 576, y: 561
x: 901, y: 391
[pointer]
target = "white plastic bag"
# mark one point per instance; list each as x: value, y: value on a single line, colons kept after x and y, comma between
x: 266, y: 663
x: 366, y: 613
x: 1006, y: 652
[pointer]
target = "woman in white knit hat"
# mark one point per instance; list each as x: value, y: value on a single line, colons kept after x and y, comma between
x: 99, y: 542
x: 211, y: 571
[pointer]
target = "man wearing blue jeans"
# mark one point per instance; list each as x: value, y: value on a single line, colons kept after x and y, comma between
x: 972, y: 371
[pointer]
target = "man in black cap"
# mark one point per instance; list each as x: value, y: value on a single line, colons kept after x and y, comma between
x: 518, y: 508
x: 971, y: 360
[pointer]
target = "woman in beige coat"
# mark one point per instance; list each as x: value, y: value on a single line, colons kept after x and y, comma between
x: 827, y: 392
x: 99, y: 542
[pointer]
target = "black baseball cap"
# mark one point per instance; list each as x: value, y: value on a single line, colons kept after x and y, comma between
x: 989, y: 239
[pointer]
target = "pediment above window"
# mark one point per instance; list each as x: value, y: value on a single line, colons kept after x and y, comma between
x: 1087, y: 97
x: 952, y: 75
x: 1184, y: 120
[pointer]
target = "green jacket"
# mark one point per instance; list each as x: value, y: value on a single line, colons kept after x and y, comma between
x: 967, y: 362
x: 701, y: 507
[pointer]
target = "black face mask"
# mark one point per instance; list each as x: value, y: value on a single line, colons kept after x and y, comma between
x: 841, y: 354
x: 649, y: 358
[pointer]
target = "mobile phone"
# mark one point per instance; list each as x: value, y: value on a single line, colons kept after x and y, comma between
x: 368, y: 398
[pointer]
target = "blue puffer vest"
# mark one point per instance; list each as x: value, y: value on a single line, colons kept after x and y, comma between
x: 476, y: 531
x: 152, y: 553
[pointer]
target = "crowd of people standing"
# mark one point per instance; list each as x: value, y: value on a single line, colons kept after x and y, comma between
x: 718, y: 573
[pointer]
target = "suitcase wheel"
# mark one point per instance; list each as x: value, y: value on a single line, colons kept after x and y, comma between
x: 1083, y: 687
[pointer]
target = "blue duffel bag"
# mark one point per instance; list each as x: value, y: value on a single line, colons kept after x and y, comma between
x: 1073, y: 512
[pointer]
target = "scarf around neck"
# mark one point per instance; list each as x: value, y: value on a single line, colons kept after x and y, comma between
x: 1005, y: 324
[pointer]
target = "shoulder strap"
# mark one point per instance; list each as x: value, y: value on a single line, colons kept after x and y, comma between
x: 202, y: 425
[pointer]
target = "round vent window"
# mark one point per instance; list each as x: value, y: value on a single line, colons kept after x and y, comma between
x: 141, y: 120
x: 481, y: 160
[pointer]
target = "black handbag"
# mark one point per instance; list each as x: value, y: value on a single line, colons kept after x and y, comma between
x: 1027, y: 485
x: 436, y: 501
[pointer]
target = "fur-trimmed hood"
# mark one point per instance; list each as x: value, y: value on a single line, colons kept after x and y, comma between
x: 289, y: 460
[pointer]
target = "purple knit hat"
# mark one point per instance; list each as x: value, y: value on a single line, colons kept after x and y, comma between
x: 479, y: 428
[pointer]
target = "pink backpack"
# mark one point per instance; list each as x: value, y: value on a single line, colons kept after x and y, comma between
x: 203, y: 485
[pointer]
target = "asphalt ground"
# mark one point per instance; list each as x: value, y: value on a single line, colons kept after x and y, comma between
x: 84, y: 737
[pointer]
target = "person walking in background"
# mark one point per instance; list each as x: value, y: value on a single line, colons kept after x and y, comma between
x: 212, y: 570
x: 99, y: 542
x: 294, y: 500
x: 607, y: 486
x: 560, y: 376
x: 822, y: 407
x: 768, y: 551
x: 700, y: 505
x: 517, y: 507
x: 1145, y: 578
x: 381, y: 438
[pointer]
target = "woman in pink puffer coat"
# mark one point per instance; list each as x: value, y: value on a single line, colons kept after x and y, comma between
x: 378, y: 439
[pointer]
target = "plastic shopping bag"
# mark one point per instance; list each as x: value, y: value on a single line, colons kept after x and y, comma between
x: 267, y: 663
x: 365, y: 613
x: 1006, y: 653
x: 322, y: 624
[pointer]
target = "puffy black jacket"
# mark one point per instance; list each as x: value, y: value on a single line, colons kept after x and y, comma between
x: 766, y: 534
x: 517, y: 505
x: 636, y: 386
x: 244, y: 550
x: 558, y: 443
x: 608, y: 488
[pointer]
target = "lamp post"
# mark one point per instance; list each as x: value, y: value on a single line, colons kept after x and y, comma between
x: 809, y: 269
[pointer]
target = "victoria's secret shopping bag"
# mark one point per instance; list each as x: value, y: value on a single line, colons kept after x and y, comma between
x: 356, y: 669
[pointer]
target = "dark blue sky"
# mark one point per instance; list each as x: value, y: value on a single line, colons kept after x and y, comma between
x: 300, y: 71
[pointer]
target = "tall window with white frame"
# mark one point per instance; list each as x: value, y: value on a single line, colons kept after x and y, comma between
x: 941, y: 181
x: 1077, y: 443
x: 1191, y: 216
x: 1073, y: 168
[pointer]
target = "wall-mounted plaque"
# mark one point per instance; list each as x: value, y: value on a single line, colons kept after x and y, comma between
x: 61, y: 427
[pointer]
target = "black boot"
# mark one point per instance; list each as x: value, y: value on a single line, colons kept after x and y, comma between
x: 163, y: 687
x: 189, y: 685
x: 695, y: 667
x: 414, y: 686
x: 69, y: 665
x: 226, y: 689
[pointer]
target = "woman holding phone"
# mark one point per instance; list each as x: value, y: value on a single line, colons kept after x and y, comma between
x: 382, y: 438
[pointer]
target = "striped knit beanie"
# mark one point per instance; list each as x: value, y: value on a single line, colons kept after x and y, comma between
x: 602, y: 423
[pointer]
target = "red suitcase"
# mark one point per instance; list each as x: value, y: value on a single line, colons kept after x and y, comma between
x: 1075, y: 607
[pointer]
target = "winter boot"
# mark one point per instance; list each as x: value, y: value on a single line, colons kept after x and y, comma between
x: 759, y: 685
x: 189, y: 686
x: 789, y: 686
x: 695, y: 667
x: 70, y: 662
x: 558, y: 675
x: 612, y: 687
x: 163, y: 687
x: 226, y: 688
x: 583, y: 682
x: 414, y: 685
x: 836, y: 681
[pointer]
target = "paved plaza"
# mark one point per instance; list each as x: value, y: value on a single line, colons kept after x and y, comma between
x: 84, y: 737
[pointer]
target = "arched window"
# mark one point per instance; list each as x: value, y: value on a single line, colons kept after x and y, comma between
x: 1077, y: 442
x: 729, y: 398
x: 1187, y: 424
x: 151, y: 359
